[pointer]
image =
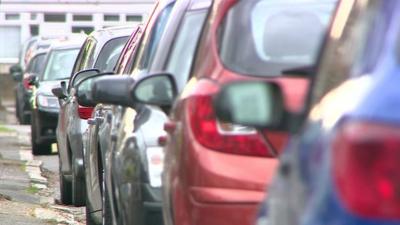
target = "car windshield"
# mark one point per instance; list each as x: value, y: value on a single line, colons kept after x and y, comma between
x: 59, y: 65
x: 38, y: 64
x: 267, y: 37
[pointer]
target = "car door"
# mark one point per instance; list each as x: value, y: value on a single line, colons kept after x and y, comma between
x: 84, y: 58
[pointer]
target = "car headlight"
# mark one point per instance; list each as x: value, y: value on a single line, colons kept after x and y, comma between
x: 47, y: 101
x: 155, y: 162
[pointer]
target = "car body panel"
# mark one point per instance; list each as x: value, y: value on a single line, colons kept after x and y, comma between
x: 305, y: 191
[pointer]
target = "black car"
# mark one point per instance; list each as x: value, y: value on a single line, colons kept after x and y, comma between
x: 31, y: 59
x: 98, y: 54
x: 132, y: 156
x: 45, y: 107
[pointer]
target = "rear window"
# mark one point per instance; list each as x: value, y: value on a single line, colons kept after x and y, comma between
x: 59, y: 65
x: 266, y: 37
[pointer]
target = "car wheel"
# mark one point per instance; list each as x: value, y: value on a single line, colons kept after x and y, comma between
x: 107, y: 219
x: 89, y: 219
x: 38, y: 148
x: 65, y: 190
x: 17, y: 113
x: 78, y: 187
x: 25, y: 119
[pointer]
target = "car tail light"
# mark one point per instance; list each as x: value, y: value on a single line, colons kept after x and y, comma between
x: 85, y: 112
x: 366, y: 167
x: 218, y: 136
x: 26, y: 84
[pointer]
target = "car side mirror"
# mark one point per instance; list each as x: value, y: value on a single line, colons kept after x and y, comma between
x: 252, y: 103
x: 109, y: 89
x: 32, y: 79
x: 81, y: 75
x: 60, y: 90
x: 156, y: 89
x: 84, y: 87
x: 16, y: 72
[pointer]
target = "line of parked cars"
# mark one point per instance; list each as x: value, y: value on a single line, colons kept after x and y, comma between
x: 242, y: 112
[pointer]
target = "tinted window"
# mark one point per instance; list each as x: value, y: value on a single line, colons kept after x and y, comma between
x: 266, y: 37
x: 184, y: 48
x: 148, y: 46
x: 109, y: 54
x: 59, y: 64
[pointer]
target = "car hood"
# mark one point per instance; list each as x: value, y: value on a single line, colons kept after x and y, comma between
x: 46, y: 86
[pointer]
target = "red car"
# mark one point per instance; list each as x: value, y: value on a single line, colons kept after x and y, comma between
x: 216, y: 173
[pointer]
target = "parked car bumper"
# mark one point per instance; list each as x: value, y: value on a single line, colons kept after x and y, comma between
x: 46, y: 124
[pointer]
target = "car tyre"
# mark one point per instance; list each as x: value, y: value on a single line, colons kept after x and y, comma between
x: 106, y: 217
x: 78, y: 187
x: 89, y: 218
x: 38, y: 148
x: 65, y: 188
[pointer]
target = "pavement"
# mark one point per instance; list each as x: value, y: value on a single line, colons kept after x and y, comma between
x: 29, y: 185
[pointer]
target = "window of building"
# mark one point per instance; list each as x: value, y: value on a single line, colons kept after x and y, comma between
x: 134, y: 18
x: 34, y: 30
x: 10, y: 41
x: 85, y: 29
x: 82, y: 17
x: 54, y: 17
x: 12, y: 16
x: 111, y: 17
x: 33, y: 16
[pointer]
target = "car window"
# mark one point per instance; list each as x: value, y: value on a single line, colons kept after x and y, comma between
x: 109, y: 54
x: 184, y: 47
x: 59, y: 65
x: 267, y: 37
x: 39, y: 64
x: 86, y: 56
x: 150, y: 41
x: 126, y: 59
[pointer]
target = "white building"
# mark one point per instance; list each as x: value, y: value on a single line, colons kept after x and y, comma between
x: 21, y: 19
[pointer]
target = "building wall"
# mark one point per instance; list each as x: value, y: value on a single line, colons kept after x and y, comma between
x: 21, y: 19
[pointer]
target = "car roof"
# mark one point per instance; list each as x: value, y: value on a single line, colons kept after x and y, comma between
x: 69, y: 42
x: 172, y: 27
x: 106, y: 34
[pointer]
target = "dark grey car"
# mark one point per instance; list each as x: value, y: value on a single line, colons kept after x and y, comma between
x: 133, y: 163
x: 23, y: 90
x: 97, y: 55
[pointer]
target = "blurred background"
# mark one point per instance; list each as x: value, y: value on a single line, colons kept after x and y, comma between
x: 22, y: 19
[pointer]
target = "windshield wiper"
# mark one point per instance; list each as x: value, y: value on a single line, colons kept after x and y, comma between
x: 301, y: 71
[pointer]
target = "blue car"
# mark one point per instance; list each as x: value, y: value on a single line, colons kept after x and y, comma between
x: 342, y: 163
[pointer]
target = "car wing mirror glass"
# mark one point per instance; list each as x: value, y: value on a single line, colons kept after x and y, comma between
x: 156, y: 89
x: 252, y: 103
